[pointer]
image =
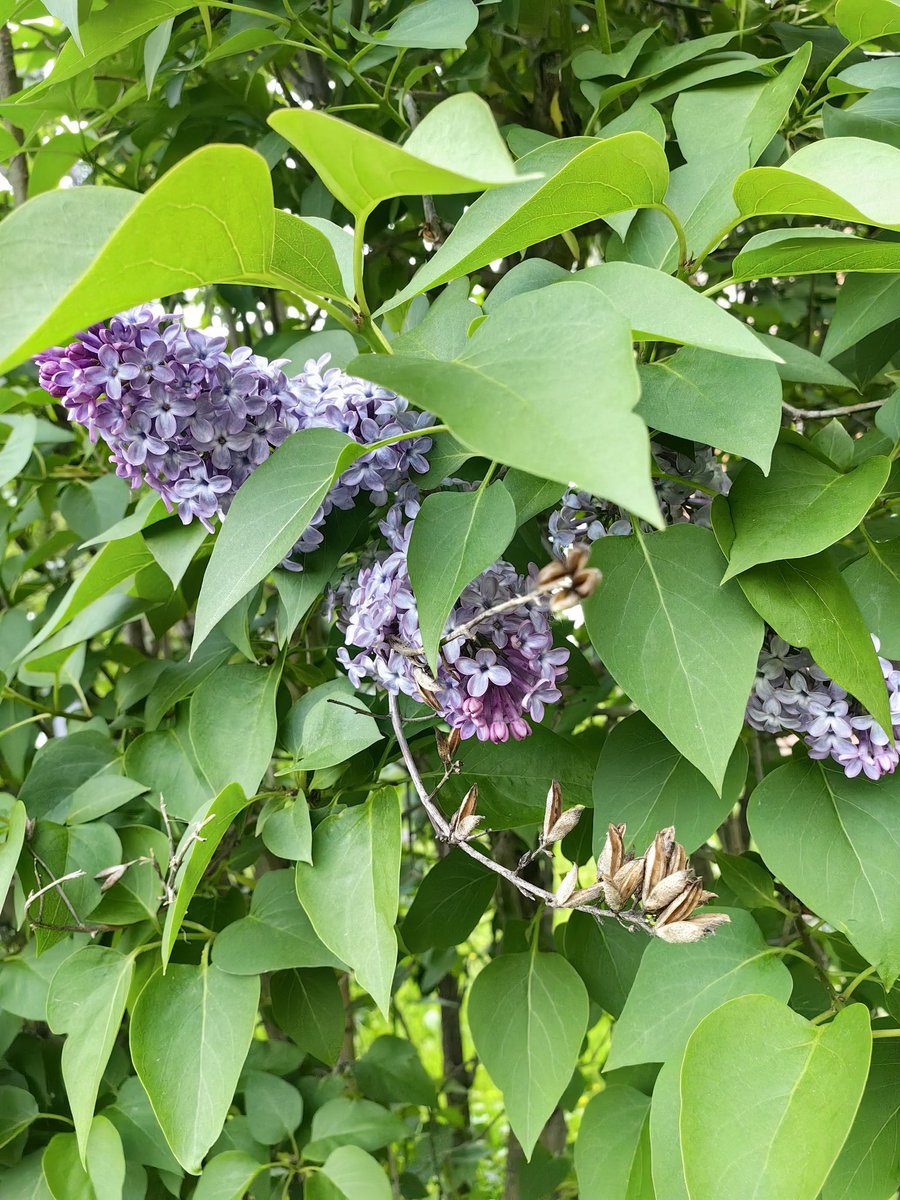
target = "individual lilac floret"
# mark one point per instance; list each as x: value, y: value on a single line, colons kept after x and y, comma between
x: 501, y: 671
x: 192, y: 421
x: 792, y: 694
x: 582, y: 518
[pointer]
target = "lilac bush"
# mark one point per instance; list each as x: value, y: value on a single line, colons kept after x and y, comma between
x: 183, y: 415
x: 791, y: 694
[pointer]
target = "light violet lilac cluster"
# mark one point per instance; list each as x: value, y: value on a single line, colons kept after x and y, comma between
x: 182, y: 414
x: 583, y: 518
x: 490, y: 679
x: 792, y: 694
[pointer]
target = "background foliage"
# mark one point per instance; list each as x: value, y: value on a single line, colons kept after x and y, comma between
x: 234, y: 958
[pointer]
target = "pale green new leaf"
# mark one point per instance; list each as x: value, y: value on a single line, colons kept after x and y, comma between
x: 329, y: 725
x: 844, y: 179
x: 867, y: 20
x: 227, y: 1176
x: 189, y: 1035
x: 356, y: 1174
x: 683, y: 647
x: 531, y: 1053
x: 791, y: 1088
x: 455, y: 148
x: 676, y: 986
x: 350, y: 893
x: 86, y: 1002
x: 578, y: 180
x: 17, y: 448
x: 566, y: 416
x: 12, y: 845
x: 455, y: 536
x: 74, y: 256
x: 429, y: 25
x: 835, y: 843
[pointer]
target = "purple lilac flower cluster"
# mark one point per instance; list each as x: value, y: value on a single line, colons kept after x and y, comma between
x: 192, y: 421
x: 792, y: 694
x: 583, y: 518
x: 490, y: 679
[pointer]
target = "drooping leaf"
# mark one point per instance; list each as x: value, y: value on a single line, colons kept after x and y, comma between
x: 504, y: 397
x: 612, y: 1153
x: 662, y: 308
x: 531, y: 1054
x: 267, y: 516
x: 196, y: 854
x: 307, y: 1005
x: 455, y: 148
x: 833, y: 842
x: 867, y: 1166
x: 356, y: 856
x: 714, y: 398
x: 676, y: 986
x: 276, y: 935
x: 790, y: 1087
x: 812, y: 251
x: 682, y: 646
x: 874, y: 583
x: 455, y: 536
x: 189, y: 1035
x: 86, y: 1002
x: 184, y: 231
x: 322, y: 731
x: 448, y: 904
x: 643, y: 780
x: 429, y: 25
x: 240, y: 696
x: 800, y: 508
x: 575, y: 180
x: 843, y: 179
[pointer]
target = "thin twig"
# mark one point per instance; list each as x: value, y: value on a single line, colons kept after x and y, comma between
x: 434, y: 230
x: 55, y: 884
x: 442, y: 830
x: 49, y: 887
x: 505, y: 606
x: 812, y: 413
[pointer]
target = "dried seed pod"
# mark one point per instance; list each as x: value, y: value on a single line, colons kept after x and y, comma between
x: 443, y: 747
x: 465, y: 828
x: 567, y: 887
x: 565, y: 824
x: 683, y: 905
x: 613, y: 854
x: 586, y: 895
x: 680, y: 932
x: 612, y: 897
x: 575, y: 578
x: 657, y: 860
x: 666, y: 891
x: 464, y: 814
x: 110, y: 876
x: 427, y: 686
x: 552, y: 811
x: 453, y: 740
x: 677, y: 859
x: 628, y: 878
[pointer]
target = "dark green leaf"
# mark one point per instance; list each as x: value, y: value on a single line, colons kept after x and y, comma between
x: 448, y: 904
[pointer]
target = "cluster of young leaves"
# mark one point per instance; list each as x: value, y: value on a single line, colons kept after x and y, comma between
x: 234, y: 961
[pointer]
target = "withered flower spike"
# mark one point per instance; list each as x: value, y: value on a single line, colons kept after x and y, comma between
x: 682, y: 906
x: 613, y: 855
x: 552, y: 811
x: 680, y: 932
x: 565, y: 824
x: 666, y: 891
x: 567, y: 887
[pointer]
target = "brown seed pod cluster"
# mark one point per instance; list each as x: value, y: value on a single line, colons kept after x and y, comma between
x: 570, y: 580
x: 660, y: 883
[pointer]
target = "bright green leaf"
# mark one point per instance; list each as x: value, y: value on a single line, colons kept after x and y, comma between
x: 322, y: 731
x: 429, y: 25
x: 612, y: 1153
x: 811, y: 252
x: 239, y: 696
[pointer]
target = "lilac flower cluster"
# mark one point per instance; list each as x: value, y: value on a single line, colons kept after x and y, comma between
x: 192, y: 421
x: 583, y: 518
x: 792, y: 694
x: 491, y: 678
